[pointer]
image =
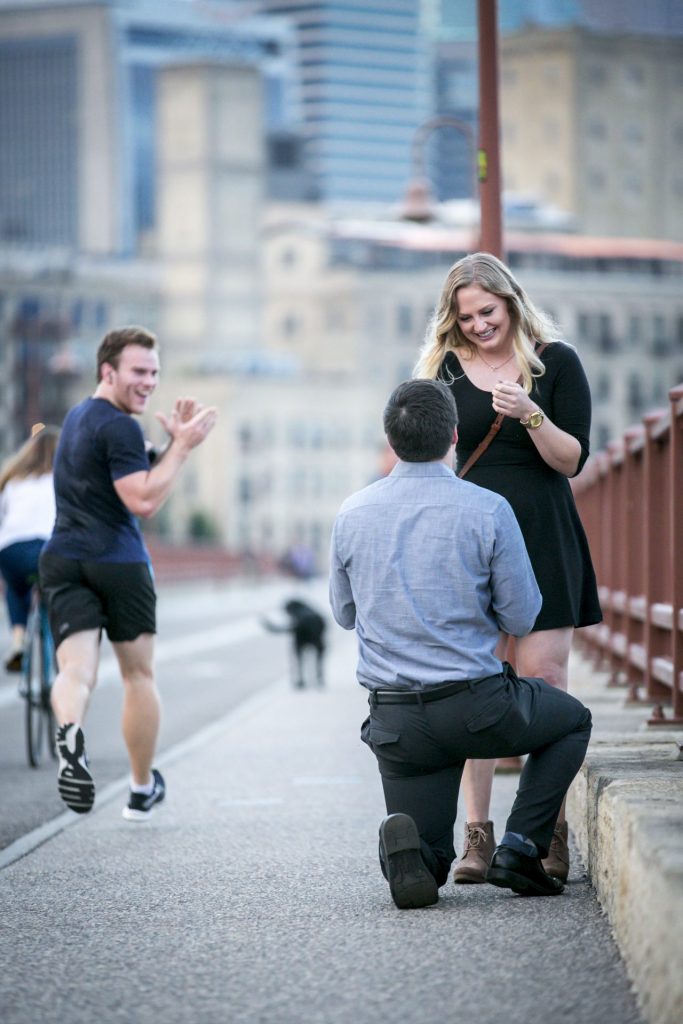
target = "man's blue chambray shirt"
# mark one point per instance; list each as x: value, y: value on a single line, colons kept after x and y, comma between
x: 428, y: 568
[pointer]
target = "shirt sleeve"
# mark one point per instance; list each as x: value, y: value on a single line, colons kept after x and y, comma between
x: 515, y: 597
x: 571, y: 398
x: 341, y: 597
x: 124, y: 445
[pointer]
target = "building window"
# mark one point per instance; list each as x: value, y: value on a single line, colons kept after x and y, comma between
x: 634, y: 330
x: 596, y: 129
x: 596, y: 74
x: 633, y: 185
x: 607, y: 342
x: 290, y: 325
x: 595, y: 178
x: 634, y: 75
x: 602, y: 388
x: 633, y: 132
x: 635, y: 397
x: 404, y: 319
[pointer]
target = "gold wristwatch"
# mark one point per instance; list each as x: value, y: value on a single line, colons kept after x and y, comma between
x: 534, y: 420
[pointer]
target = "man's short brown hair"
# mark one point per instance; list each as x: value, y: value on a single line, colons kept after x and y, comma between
x: 113, y: 344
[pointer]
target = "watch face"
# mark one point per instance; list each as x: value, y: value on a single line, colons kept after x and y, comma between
x: 536, y: 419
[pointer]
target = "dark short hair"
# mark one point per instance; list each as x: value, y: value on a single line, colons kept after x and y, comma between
x: 419, y: 420
x: 113, y: 344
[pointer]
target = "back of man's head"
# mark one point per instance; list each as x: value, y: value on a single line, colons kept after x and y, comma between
x: 419, y: 420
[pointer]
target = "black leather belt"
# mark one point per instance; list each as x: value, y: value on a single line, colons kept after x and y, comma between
x: 426, y: 695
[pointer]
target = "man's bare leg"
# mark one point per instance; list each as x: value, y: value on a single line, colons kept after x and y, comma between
x: 141, y: 704
x: 78, y: 659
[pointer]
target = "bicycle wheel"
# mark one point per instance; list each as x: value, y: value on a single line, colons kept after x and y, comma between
x: 33, y: 683
x: 48, y: 673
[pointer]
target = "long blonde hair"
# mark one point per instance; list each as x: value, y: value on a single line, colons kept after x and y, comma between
x: 529, y: 324
x: 34, y: 458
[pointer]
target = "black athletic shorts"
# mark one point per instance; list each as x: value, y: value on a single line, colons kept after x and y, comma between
x: 118, y: 597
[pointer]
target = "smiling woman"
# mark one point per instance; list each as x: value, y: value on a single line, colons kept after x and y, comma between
x: 499, y: 354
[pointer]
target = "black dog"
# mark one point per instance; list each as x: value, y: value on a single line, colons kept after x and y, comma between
x: 307, y: 627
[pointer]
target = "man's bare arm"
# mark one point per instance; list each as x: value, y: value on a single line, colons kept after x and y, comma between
x: 144, y: 493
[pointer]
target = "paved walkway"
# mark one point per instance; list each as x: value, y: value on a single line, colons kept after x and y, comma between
x: 253, y: 896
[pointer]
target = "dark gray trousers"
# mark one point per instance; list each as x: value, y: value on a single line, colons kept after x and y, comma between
x: 421, y: 750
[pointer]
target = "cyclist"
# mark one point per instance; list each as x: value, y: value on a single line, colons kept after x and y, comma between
x: 95, y: 570
x: 27, y: 514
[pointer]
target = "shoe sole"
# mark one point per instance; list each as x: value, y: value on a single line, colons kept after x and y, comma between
x: 518, y: 883
x: 412, y: 885
x: 74, y: 782
x: 463, y: 879
x: 130, y: 814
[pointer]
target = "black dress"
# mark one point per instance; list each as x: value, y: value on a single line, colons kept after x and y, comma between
x: 541, y: 498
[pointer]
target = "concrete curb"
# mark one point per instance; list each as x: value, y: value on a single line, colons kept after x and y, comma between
x: 626, y: 813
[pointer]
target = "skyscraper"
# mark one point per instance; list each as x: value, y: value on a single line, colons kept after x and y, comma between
x: 364, y: 91
x: 78, y: 86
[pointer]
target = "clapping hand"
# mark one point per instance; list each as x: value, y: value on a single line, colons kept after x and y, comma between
x: 189, y: 423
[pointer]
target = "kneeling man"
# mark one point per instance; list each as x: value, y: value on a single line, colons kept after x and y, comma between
x: 429, y: 569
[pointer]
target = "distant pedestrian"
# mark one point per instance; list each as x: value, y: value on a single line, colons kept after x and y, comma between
x: 27, y: 515
x: 95, y: 570
x: 428, y: 569
x: 504, y: 362
x: 307, y: 627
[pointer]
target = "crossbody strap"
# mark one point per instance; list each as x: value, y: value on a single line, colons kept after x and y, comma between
x: 495, y: 427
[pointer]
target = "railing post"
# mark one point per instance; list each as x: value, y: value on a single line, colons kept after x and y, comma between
x: 676, y: 471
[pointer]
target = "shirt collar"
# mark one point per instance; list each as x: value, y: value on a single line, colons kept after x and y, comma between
x: 421, y: 469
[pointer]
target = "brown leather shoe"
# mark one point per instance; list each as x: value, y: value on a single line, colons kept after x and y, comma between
x: 477, y: 853
x: 556, y: 864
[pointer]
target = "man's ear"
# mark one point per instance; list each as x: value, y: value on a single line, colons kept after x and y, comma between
x: 455, y: 436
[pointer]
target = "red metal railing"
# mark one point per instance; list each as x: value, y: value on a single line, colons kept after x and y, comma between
x: 630, y: 499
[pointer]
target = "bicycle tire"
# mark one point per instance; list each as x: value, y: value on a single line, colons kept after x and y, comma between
x: 33, y: 683
x: 47, y: 676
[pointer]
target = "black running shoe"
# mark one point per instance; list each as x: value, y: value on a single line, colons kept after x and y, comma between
x: 140, y: 805
x: 74, y: 781
x: 411, y: 883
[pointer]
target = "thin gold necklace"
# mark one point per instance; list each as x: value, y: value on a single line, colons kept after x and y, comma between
x: 499, y: 364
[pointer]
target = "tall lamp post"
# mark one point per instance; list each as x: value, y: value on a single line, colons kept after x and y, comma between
x: 417, y: 203
x: 488, y: 156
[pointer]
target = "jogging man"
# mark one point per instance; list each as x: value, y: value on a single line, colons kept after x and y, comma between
x: 95, y: 571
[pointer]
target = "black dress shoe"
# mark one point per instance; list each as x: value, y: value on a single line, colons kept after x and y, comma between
x: 522, y: 874
x: 411, y: 883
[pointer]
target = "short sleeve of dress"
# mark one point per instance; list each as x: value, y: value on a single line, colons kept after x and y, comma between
x: 124, y: 446
x: 571, y: 397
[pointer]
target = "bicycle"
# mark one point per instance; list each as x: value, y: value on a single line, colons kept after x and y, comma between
x: 39, y: 670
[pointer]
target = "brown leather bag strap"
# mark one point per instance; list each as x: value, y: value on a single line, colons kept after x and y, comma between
x: 483, y: 445
x: 495, y: 427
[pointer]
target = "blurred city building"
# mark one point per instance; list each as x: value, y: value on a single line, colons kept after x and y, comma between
x: 603, y: 81
x: 606, y: 139
x: 78, y: 98
x: 364, y: 81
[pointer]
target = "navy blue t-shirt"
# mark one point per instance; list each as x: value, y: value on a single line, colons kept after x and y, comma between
x: 98, y: 444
